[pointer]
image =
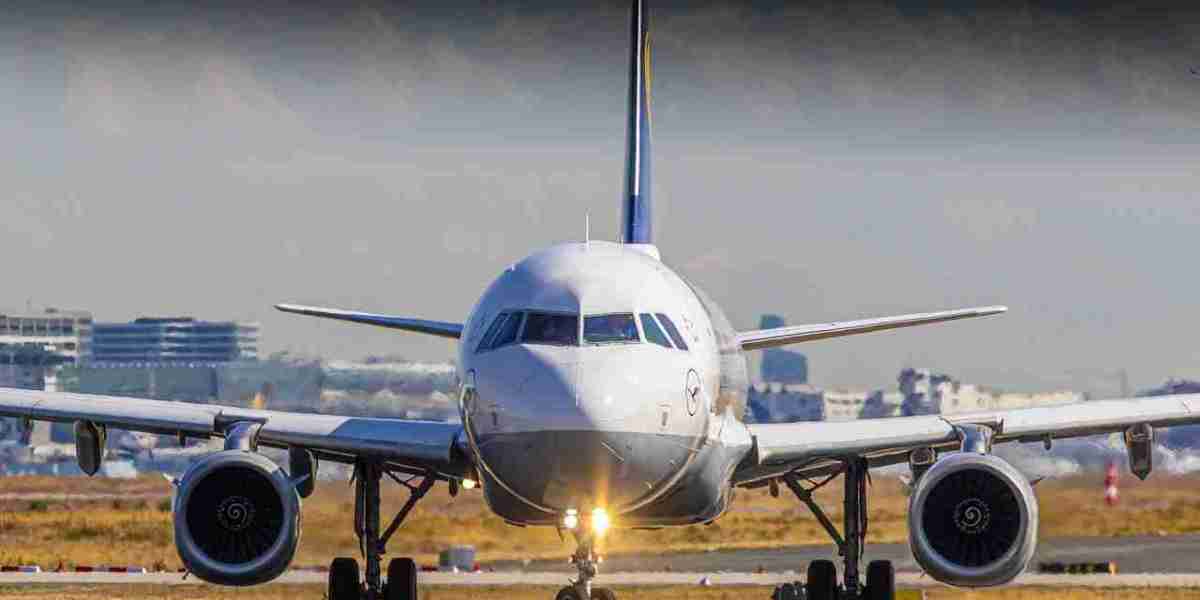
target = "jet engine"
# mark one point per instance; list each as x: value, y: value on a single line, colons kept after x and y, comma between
x: 237, y: 519
x: 972, y: 520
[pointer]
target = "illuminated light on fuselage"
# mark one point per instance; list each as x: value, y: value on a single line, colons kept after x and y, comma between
x: 600, y: 521
x: 469, y: 484
x: 571, y: 520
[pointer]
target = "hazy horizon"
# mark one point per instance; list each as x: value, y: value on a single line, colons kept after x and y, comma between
x: 821, y: 162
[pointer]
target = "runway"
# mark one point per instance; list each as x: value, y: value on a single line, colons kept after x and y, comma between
x: 1142, y: 561
x: 1134, y: 555
x: 903, y: 580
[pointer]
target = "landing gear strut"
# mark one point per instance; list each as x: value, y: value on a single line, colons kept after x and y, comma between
x: 402, y: 572
x: 822, y: 574
x: 586, y: 563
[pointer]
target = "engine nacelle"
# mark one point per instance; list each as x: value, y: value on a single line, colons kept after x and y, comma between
x: 972, y: 520
x: 237, y: 519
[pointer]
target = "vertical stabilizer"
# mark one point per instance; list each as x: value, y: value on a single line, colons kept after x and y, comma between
x: 637, y: 219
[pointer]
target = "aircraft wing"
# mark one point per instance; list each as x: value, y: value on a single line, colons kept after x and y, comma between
x: 782, y: 336
x: 418, y: 445
x: 438, y: 328
x: 813, y: 446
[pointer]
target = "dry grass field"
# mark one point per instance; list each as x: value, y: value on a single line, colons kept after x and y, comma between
x: 50, y: 521
x: 293, y: 592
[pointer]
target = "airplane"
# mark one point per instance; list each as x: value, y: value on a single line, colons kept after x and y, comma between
x: 600, y: 389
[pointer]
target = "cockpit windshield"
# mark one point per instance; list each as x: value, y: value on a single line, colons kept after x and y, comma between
x: 553, y: 329
x: 508, y: 333
x: 562, y: 329
x: 502, y: 332
x: 610, y: 329
x: 672, y: 331
x: 654, y: 333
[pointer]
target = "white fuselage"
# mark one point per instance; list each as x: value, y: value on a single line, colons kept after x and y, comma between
x: 585, y: 421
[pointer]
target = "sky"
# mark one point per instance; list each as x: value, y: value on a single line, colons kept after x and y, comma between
x: 822, y: 161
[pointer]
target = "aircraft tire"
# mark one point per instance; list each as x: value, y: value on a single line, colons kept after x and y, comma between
x: 603, y: 594
x: 881, y: 581
x: 401, y: 580
x: 344, y: 583
x: 569, y: 593
x: 821, y: 583
x: 787, y: 591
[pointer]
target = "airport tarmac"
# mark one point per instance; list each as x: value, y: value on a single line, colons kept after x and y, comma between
x: 1142, y: 561
x: 904, y: 580
x: 1135, y: 554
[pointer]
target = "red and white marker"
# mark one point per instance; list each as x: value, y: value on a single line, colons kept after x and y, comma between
x: 1111, y: 495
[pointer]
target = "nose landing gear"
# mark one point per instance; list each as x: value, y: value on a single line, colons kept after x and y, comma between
x: 585, y: 562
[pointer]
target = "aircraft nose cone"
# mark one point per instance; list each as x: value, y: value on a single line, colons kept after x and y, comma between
x: 566, y: 429
x: 525, y: 388
x: 608, y: 391
x: 582, y: 469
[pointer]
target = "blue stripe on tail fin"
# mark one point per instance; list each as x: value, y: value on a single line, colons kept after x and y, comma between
x: 638, y: 218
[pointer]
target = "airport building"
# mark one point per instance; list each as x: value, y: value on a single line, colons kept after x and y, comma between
x: 33, y: 345
x: 779, y: 364
x: 777, y: 402
x: 65, y: 333
x: 882, y: 404
x: 844, y: 405
x: 921, y: 392
x: 929, y: 393
x: 176, y: 341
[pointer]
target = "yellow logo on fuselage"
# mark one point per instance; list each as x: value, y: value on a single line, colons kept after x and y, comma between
x: 647, y: 71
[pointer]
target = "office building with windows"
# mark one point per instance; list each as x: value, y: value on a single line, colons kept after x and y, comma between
x: 64, y: 333
x: 174, y: 341
x: 33, y: 345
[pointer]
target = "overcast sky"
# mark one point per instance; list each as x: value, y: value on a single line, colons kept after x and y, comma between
x: 820, y: 162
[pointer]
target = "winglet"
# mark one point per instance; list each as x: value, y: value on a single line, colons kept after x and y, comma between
x: 437, y: 328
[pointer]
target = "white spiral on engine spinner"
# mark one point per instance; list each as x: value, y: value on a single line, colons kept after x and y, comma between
x: 972, y: 516
x: 235, y: 513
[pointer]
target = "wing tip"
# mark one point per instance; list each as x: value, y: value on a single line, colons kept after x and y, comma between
x: 293, y: 308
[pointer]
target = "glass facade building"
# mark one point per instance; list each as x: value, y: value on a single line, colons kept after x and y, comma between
x: 181, y: 341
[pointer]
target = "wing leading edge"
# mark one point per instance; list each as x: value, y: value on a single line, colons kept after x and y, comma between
x: 782, y: 336
x: 783, y: 447
x: 417, y: 444
x: 438, y: 328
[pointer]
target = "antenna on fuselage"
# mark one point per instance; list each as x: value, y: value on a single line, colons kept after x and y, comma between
x: 587, y: 228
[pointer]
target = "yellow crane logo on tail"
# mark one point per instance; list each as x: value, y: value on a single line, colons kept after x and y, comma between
x: 646, y: 68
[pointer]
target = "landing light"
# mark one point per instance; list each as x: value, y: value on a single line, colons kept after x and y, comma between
x: 571, y: 520
x: 468, y: 484
x: 600, y: 521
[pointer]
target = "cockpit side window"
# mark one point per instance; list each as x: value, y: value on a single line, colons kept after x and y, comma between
x: 553, y: 329
x: 486, y: 343
x: 672, y: 331
x: 508, y: 333
x: 654, y: 333
x: 610, y: 329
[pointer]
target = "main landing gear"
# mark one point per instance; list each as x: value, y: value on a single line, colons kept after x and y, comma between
x: 585, y: 561
x: 401, y: 583
x: 822, y: 581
